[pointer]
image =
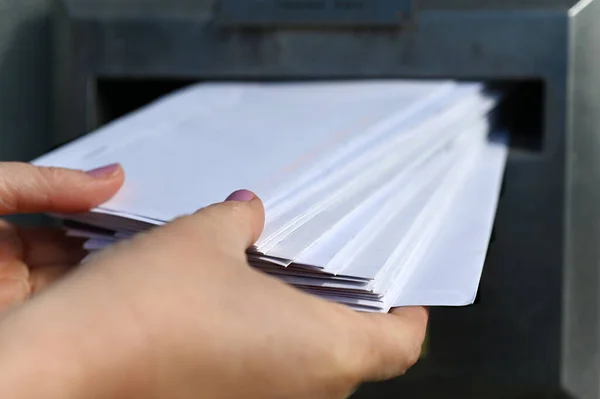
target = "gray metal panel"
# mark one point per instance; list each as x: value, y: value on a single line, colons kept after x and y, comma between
x: 95, y: 8
x: 305, y: 13
x: 581, y: 342
x: 24, y: 79
x: 444, y: 44
x: 496, y: 4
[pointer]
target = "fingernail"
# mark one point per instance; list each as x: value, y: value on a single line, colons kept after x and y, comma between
x: 104, y: 171
x: 241, y: 195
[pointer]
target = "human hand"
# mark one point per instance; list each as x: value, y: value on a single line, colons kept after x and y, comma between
x: 178, y: 313
x: 32, y: 258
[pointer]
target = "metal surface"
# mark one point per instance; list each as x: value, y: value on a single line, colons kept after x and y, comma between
x: 509, y: 345
x: 517, y: 5
x: 581, y: 342
x: 24, y: 79
x: 305, y: 13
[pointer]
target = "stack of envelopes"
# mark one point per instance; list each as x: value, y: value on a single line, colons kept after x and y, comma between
x: 377, y: 194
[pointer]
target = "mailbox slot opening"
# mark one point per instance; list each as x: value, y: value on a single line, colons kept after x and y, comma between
x: 521, y: 112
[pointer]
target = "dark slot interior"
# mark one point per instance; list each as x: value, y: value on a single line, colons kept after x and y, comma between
x: 118, y: 97
x: 521, y: 112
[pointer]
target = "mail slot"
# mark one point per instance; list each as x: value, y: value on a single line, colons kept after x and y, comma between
x: 535, y: 329
x: 521, y: 111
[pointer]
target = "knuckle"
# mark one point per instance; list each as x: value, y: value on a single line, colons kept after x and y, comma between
x: 219, y: 213
x: 8, y: 198
x: 354, y: 352
x: 234, y: 210
x: 350, y: 368
x: 45, y: 175
x: 344, y: 371
x: 409, y: 355
x: 225, y: 217
x: 187, y: 230
x: 182, y: 227
x: 50, y: 177
x: 413, y: 354
x: 43, y: 180
x: 387, y: 352
x: 48, y: 172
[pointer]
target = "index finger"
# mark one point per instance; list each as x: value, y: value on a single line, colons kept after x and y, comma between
x: 25, y: 188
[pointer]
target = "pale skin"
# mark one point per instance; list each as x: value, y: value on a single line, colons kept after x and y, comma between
x: 173, y: 313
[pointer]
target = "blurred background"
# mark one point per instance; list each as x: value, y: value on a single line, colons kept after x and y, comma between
x: 529, y: 337
x: 25, y: 71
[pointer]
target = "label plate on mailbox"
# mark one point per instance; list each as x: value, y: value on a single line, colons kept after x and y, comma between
x: 315, y: 13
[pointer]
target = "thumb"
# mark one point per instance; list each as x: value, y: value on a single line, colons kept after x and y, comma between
x: 235, y: 224
x: 25, y: 188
